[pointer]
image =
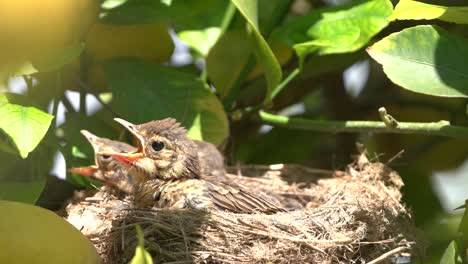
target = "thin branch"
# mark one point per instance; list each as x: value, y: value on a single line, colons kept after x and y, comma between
x: 56, y: 100
x: 388, y: 254
x: 440, y: 128
x: 85, y: 86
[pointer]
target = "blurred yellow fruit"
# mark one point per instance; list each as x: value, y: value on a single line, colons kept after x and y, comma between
x: 147, y: 41
x: 150, y: 42
x: 33, y: 30
x: 31, y: 234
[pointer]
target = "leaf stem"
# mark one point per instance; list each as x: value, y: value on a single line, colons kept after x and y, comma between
x: 58, y: 89
x: 440, y: 128
x: 285, y: 82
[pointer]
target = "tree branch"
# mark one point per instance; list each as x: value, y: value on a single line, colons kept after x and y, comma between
x: 440, y: 128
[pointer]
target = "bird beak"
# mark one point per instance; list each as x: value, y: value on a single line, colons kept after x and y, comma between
x: 131, y: 127
x: 92, y: 139
x: 85, y: 171
x: 123, y: 157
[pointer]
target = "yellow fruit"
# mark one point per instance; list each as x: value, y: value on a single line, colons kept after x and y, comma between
x: 148, y: 41
x: 34, y: 30
x: 31, y: 234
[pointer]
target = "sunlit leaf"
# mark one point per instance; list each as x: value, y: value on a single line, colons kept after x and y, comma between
x: 141, y: 255
x: 47, y: 62
x: 201, y: 40
x: 337, y: 29
x: 145, y: 91
x: 109, y: 4
x: 425, y: 59
x: 451, y: 254
x: 26, y: 126
x: 265, y: 56
x: 414, y: 10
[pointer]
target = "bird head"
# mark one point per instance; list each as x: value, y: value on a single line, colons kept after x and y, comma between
x: 106, y: 169
x: 105, y: 162
x: 164, y: 151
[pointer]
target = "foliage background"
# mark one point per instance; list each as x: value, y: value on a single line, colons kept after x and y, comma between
x: 72, y: 65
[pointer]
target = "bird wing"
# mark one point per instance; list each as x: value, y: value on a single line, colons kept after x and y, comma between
x: 234, y: 198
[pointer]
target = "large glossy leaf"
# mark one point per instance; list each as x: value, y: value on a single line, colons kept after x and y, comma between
x: 338, y: 29
x: 226, y: 60
x: 425, y: 59
x: 145, y: 91
x: 414, y: 10
x: 265, y: 56
x: 26, y: 126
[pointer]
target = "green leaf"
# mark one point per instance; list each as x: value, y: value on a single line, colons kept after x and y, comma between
x: 451, y: 254
x: 197, y: 14
x: 109, y: 4
x: 264, y: 54
x: 135, y: 12
x: 3, y: 99
x: 201, y: 40
x: 183, y: 15
x: 463, y: 227
x: 425, y: 59
x: 141, y: 255
x: 339, y: 29
x: 26, y: 126
x: 47, y: 62
x: 226, y: 60
x: 414, y: 10
x: 146, y: 91
x: 56, y: 60
x: 26, y: 192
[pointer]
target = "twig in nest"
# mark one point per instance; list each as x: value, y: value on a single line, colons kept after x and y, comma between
x: 388, y: 254
x: 396, y: 156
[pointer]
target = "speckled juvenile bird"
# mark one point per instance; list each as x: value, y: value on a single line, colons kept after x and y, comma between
x: 106, y: 169
x: 168, y: 161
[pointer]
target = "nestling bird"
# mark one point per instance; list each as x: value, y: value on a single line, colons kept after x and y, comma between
x: 106, y: 169
x: 168, y: 161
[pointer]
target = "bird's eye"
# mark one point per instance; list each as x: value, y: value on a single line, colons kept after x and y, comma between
x: 157, y: 145
x: 105, y: 157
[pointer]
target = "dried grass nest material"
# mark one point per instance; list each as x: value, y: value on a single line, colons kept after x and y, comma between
x: 356, y: 217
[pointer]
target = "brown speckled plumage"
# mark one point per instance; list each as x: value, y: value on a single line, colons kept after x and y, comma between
x: 171, y: 176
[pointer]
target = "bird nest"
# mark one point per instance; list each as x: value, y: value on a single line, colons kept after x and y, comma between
x: 348, y: 217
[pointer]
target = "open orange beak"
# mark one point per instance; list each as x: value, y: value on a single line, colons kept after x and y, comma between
x: 131, y: 127
x: 85, y: 171
x: 123, y: 157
